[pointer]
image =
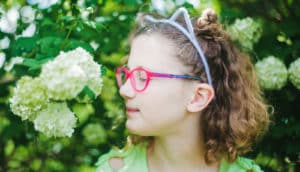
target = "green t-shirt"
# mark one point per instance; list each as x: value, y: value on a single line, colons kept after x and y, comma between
x: 135, y: 160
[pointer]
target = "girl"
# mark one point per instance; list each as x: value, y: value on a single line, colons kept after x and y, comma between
x: 192, y: 99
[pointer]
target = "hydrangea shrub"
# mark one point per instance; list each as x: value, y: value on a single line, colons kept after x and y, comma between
x: 43, y: 99
x: 294, y: 73
x: 272, y: 73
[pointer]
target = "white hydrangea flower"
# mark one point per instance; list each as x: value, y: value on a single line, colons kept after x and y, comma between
x: 27, y: 14
x: 163, y: 6
x: 2, y: 59
x: 93, y: 72
x: 246, y: 31
x: 43, y: 4
x: 159, y: 5
x: 29, y: 97
x: 272, y: 73
x: 294, y: 73
x: 13, y: 61
x: 9, y: 20
x: 80, y: 3
x: 94, y: 134
x: 29, y: 31
x: 84, y: 14
x: 69, y: 73
x: 64, y: 79
x: 4, y: 43
x: 57, y: 120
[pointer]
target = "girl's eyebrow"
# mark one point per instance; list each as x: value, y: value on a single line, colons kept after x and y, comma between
x: 124, y: 60
x: 144, y: 67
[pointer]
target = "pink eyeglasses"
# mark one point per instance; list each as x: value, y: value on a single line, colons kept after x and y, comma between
x: 140, y: 77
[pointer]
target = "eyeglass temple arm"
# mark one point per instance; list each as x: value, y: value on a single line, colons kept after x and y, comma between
x: 175, y: 76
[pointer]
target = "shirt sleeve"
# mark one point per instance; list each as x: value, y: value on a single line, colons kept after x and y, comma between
x: 240, y: 165
x: 104, y: 167
x: 103, y: 162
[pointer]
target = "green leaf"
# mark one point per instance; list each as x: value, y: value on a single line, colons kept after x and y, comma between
x: 50, y: 46
x: 72, y: 44
x: 34, y: 64
x: 132, y: 2
x: 103, y: 70
x: 23, y: 45
x: 68, y: 18
x: 89, y: 92
x: 86, y: 95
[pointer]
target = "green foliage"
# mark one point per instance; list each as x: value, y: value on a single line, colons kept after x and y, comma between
x: 62, y: 27
x: 279, y: 150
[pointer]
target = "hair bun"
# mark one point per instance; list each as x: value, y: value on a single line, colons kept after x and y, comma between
x: 208, y: 16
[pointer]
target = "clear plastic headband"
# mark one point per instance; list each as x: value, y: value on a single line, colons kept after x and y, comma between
x: 189, y: 33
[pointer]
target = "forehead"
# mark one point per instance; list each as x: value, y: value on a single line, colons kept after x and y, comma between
x: 154, y: 52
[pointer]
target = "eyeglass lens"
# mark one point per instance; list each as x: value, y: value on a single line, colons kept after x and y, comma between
x: 138, y: 78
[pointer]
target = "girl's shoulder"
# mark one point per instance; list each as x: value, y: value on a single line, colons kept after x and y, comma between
x: 133, y: 159
x: 241, y: 164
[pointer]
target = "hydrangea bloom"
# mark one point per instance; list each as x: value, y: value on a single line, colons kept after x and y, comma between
x: 294, y: 73
x: 9, y: 20
x: 272, y: 73
x: 63, y: 80
x: 163, y: 6
x: 27, y: 14
x: 91, y: 68
x: 56, y: 120
x: 29, y: 98
x: 42, y: 4
x: 29, y: 31
x: 94, y: 134
x: 4, y: 43
x: 69, y: 73
x: 2, y: 59
x: 246, y: 31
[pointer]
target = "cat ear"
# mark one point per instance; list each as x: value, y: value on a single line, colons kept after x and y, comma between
x: 189, y: 33
x: 182, y: 11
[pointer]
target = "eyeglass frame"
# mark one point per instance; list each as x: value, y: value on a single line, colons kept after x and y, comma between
x: 149, y: 74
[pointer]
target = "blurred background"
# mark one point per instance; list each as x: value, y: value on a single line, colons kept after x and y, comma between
x: 35, y: 31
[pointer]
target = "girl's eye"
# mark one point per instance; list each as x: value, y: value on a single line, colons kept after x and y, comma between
x: 141, y: 75
x: 142, y: 79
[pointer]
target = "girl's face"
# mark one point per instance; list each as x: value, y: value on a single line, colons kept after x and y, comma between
x: 161, y: 108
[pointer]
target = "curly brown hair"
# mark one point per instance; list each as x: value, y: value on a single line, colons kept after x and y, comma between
x: 238, y: 115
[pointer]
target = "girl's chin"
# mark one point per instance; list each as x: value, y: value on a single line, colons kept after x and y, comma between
x: 133, y: 129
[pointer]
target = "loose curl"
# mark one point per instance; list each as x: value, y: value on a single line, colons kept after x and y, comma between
x: 238, y: 115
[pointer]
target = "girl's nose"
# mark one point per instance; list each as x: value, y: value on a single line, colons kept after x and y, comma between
x: 126, y: 90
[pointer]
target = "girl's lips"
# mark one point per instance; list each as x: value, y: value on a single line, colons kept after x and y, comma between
x: 131, y: 111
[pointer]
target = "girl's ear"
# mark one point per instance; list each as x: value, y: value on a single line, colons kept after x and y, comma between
x: 201, y: 97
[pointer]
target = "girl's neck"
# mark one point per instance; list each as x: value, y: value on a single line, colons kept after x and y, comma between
x: 179, y: 152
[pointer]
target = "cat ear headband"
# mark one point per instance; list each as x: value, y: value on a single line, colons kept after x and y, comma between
x: 189, y: 33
